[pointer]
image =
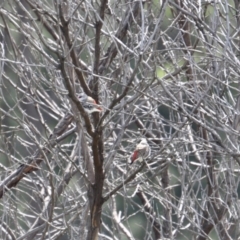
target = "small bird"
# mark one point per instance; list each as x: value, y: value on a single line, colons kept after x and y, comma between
x: 89, y: 104
x: 141, y: 152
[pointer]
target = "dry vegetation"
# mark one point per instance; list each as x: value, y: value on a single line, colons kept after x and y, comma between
x: 164, y: 70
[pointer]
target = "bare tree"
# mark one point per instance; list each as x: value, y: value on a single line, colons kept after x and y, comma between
x: 167, y: 71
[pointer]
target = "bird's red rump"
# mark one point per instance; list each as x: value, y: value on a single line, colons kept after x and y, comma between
x: 134, y: 156
x: 98, y: 107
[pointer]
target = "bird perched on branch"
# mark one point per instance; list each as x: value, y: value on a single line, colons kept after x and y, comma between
x: 141, y: 152
x: 89, y: 104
